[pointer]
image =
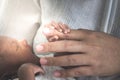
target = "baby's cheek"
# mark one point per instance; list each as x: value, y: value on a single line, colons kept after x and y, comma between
x: 23, y: 42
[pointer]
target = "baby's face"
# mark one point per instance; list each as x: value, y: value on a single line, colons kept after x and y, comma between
x: 14, y: 51
x: 10, y: 45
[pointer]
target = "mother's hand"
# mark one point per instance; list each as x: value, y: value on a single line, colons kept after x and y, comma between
x: 95, y: 54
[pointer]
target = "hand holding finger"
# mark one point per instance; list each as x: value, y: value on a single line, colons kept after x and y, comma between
x: 63, y: 46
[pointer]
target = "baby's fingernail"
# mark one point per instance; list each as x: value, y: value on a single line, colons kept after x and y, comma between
x: 57, y: 74
x: 39, y: 48
x: 43, y: 61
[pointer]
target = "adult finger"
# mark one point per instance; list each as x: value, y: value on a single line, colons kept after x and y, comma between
x: 75, y: 72
x: 63, y: 46
x: 28, y: 71
x: 80, y: 34
x: 68, y: 60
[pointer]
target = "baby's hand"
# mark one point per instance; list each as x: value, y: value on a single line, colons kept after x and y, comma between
x: 55, y: 31
x: 28, y: 71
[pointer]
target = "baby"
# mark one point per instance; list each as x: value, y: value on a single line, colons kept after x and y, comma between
x: 59, y: 30
x: 14, y: 53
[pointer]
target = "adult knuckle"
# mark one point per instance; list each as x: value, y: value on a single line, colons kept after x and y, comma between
x: 66, y: 44
x: 89, y: 72
x: 97, y: 70
x: 70, y: 60
x: 98, y: 48
x: 92, y: 71
x: 49, y: 47
x: 85, y: 72
x: 65, y: 74
x: 97, y: 65
x: 95, y: 35
x: 78, y: 73
x: 51, y: 61
x: 95, y: 61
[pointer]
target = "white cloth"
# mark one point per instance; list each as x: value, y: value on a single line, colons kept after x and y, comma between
x: 19, y: 19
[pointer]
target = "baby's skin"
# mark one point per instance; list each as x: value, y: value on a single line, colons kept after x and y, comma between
x: 58, y: 31
x: 28, y: 71
x: 14, y: 53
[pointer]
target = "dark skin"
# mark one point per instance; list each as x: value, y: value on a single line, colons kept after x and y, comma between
x: 13, y: 54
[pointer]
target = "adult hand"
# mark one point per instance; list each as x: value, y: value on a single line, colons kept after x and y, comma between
x: 94, y: 54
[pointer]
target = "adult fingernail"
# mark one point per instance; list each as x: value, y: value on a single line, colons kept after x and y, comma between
x: 43, y: 61
x: 39, y: 48
x: 57, y: 74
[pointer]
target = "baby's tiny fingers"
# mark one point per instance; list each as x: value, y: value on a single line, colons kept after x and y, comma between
x: 64, y: 28
x: 56, y: 26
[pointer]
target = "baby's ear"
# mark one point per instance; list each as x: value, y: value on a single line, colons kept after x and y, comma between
x: 24, y: 42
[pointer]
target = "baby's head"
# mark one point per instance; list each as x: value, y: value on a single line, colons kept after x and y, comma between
x: 11, y: 45
x: 13, y: 53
